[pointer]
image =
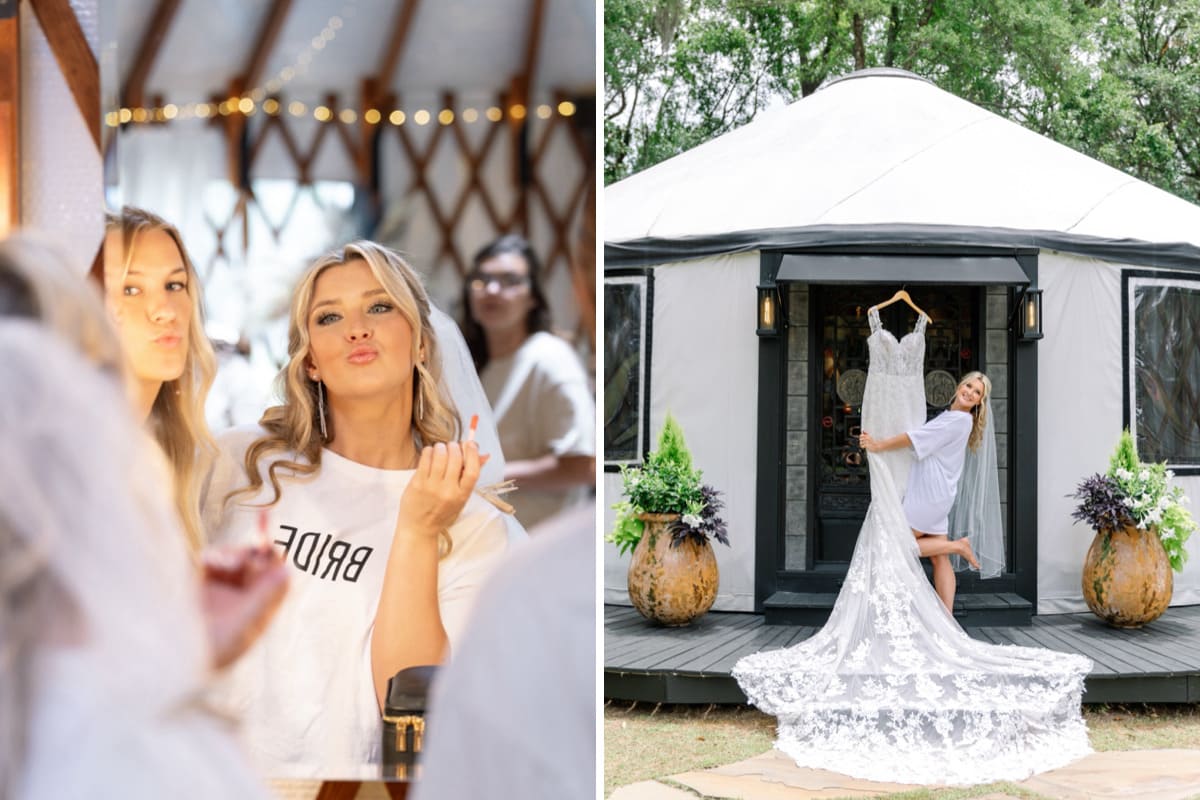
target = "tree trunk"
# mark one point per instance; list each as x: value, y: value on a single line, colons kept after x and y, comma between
x: 860, y: 47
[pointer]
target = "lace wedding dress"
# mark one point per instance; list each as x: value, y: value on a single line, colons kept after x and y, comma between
x: 892, y: 689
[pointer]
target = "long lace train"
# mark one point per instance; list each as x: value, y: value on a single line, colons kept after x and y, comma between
x: 892, y: 688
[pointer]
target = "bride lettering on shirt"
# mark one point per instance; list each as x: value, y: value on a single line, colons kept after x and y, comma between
x: 313, y: 549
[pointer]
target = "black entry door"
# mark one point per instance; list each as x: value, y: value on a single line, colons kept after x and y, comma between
x: 839, y: 363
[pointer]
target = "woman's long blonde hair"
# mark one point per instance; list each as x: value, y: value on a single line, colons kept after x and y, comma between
x: 979, y: 412
x: 294, y: 428
x: 177, y: 416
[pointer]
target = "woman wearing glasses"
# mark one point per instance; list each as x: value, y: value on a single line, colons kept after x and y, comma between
x: 539, y: 391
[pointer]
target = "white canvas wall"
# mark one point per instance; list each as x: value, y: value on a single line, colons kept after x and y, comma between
x: 704, y: 370
x: 62, y: 182
x: 1079, y: 420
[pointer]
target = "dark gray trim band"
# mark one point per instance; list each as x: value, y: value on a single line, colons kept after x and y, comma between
x: 838, y: 268
x: 652, y: 250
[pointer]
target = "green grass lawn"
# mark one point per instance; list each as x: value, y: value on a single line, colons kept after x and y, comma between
x: 644, y: 741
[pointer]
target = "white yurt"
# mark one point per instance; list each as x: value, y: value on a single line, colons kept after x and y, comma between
x: 737, y: 279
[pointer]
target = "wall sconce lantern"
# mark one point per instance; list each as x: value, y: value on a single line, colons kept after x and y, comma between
x: 1031, y: 315
x: 768, y: 311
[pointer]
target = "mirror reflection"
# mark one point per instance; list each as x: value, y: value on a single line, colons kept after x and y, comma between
x: 350, y: 255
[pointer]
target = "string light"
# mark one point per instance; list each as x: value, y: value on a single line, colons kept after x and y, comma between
x: 247, y: 105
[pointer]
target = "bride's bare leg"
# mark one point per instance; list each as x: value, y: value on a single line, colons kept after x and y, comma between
x: 944, y: 581
x: 938, y: 549
x: 931, y: 545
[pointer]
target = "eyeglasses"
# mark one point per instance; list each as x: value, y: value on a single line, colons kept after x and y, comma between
x: 479, y: 282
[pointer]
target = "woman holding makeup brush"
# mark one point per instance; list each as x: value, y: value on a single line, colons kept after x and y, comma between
x: 359, y: 479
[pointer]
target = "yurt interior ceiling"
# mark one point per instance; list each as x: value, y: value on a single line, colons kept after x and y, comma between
x: 270, y: 130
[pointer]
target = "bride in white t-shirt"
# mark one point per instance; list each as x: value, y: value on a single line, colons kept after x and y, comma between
x: 360, y: 480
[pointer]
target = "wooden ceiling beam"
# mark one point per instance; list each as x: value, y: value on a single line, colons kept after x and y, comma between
x: 269, y: 33
x: 533, y: 46
x: 133, y: 94
x: 75, y: 59
x: 10, y: 118
x: 394, y: 50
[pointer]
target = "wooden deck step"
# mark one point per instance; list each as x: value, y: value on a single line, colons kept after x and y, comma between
x: 971, y: 610
x: 1159, y: 663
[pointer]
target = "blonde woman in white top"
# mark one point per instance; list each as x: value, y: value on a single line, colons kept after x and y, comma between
x: 358, y: 478
x: 108, y: 636
x: 154, y: 296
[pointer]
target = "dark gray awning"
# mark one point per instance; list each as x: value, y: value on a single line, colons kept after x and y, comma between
x: 915, y: 269
x: 651, y: 251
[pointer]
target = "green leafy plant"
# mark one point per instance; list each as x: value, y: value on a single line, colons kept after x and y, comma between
x: 666, y: 483
x: 1141, y: 493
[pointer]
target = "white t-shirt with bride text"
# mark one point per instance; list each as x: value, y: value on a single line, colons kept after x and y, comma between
x: 304, y: 691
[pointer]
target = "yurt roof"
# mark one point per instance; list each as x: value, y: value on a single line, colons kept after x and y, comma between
x: 187, y: 50
x: 886, y: 156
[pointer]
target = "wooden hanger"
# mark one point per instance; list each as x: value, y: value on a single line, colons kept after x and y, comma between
x: 901, y: 295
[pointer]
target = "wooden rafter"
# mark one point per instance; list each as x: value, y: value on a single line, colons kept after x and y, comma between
x: 533, y: 44
x: 396, y: 44
x: 519, y: 90
x: 264, y: 44
x: 10, y: 117
x: 75, y: 59
x: 583, y: 263
x: 134, y: 92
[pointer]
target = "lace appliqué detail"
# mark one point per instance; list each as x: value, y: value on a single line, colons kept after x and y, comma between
x: 892, y: 689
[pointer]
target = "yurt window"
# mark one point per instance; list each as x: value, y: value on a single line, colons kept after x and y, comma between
x: 1163, y: 366
x: 626, y: 357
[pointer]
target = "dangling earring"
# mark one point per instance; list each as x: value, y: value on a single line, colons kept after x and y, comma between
x: 321, y: 408
x: 420, y: 399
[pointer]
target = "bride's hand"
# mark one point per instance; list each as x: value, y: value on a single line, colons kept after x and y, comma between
x: 446, y: 475
x: 867, y: 443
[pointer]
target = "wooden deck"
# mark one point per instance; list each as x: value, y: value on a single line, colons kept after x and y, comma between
x: 1159, y: 663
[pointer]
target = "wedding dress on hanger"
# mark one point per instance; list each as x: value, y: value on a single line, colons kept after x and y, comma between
x: 892, y: 688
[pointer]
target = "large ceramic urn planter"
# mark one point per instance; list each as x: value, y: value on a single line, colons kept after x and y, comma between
x: 1127, y: 579
x: 671, y: 584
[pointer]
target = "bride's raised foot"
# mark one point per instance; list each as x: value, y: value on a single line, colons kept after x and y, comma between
x: 966, y: 552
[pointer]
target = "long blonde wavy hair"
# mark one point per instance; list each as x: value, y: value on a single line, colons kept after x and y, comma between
x: 177, y: 416
x: 979, y: 412
x: 294, y: 428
